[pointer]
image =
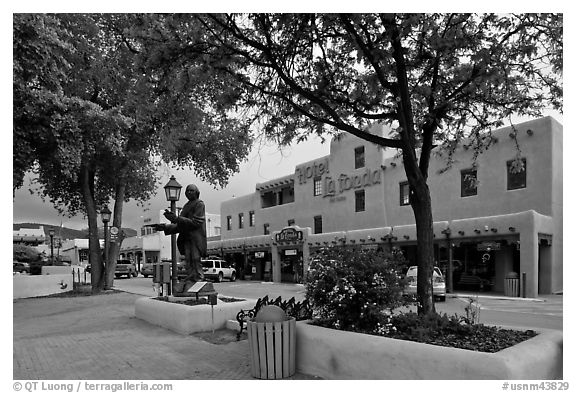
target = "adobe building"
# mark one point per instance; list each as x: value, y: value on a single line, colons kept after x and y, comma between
x: 152, y: 246
x: 500, y: 220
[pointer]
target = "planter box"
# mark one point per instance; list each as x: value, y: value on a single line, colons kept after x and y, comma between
x: 185, y: 319
x: 25, y: 286
x: 336, y: 354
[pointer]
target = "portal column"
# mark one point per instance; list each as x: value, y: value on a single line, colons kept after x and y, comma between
x: 276, y: 267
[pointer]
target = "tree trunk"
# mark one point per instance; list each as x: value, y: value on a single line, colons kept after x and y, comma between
x: 94, y: 250
x: 422, y: 207
x: 114, y: 248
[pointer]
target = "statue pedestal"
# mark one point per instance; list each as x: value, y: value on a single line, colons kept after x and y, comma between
x: 197, y: 289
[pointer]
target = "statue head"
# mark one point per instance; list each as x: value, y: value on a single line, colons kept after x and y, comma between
x: 192, y: 192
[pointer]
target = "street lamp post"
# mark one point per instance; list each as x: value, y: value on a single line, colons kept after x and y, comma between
x: 449, y: 284
x: 172, y: 189
x: 51, y: 233
x: 105, y: 214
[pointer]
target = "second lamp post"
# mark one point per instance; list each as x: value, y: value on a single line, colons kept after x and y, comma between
x: 105, y: 213
x: 172, y: 189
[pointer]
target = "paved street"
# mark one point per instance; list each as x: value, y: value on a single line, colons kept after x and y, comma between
x: 544, y: 312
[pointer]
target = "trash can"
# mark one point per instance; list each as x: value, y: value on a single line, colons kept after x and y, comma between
x: 272, y: 342
x: 512, y: 285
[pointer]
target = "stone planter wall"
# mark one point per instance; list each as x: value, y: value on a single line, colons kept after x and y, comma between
x: 335, y: 354
x: 25, y: 286
x: 185, y: 319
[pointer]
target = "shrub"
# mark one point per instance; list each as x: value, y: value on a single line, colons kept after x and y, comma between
x: 355, y: 289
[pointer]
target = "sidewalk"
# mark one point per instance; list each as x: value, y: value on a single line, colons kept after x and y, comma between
x: 98, y: 337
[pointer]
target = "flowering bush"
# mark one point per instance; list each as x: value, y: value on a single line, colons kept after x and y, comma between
x: 357, y: 290
x: 354, y: 289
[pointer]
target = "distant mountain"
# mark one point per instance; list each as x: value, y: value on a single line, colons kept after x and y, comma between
x: 62, y: 232
x: 68, y: 233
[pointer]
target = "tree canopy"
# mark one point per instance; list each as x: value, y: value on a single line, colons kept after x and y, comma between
x: 433, y: 78
x: 93, y: 117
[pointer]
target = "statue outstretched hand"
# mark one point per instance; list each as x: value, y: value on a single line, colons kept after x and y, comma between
x: 170, y: 216
x: 158, y: 227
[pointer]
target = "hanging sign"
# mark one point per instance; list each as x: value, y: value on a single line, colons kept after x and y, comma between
x: 488, y: 246
x: 113, y: 234
x: 289, y: 235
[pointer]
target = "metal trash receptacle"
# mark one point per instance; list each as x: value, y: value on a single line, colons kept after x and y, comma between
x: 272, y: 348
x: 512, y: 285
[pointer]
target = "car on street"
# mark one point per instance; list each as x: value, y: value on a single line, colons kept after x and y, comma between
x: 20, y: 267
x: 218, y: 270
x: 147, y: 269
x: 125, y: 267
x: 438, y: 283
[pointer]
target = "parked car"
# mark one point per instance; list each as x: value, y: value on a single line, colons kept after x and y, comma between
x: 218, y: 269
x: 147, y: 269
x: 125, y: 267
x: 20, y: 267
x: 438, y: 283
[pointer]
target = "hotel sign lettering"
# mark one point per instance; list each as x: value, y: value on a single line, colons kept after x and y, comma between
x: 344, y: 182
x: 289, y: 235
x: 316, y: 169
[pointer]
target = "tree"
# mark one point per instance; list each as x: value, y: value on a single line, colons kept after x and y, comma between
x: 89, y: 123
x: 434, y: 78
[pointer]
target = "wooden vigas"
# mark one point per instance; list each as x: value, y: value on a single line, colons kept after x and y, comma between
x: 272, y: 349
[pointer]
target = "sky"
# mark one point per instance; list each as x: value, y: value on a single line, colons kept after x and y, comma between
x: 265, y: 162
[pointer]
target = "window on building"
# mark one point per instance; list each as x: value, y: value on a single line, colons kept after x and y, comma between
x: 266, y: 229
x: 516, y: 170
x: 359, y: 161
x: 240, y: 220
x: 468, y: 182
x: 291, y: 222
x: 317, y: 186
x: 404, y: 193
x: 251, y: 218
x: 229, y: 223
x: 317, y: 224
x: 360, y: 200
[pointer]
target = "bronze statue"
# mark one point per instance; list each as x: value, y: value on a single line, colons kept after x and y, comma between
x: 190, y: 226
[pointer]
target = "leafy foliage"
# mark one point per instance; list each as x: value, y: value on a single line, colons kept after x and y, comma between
x: 92, y: 116
x: 355, y: 289
x: 23, y: 253
x: 435, y: 79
